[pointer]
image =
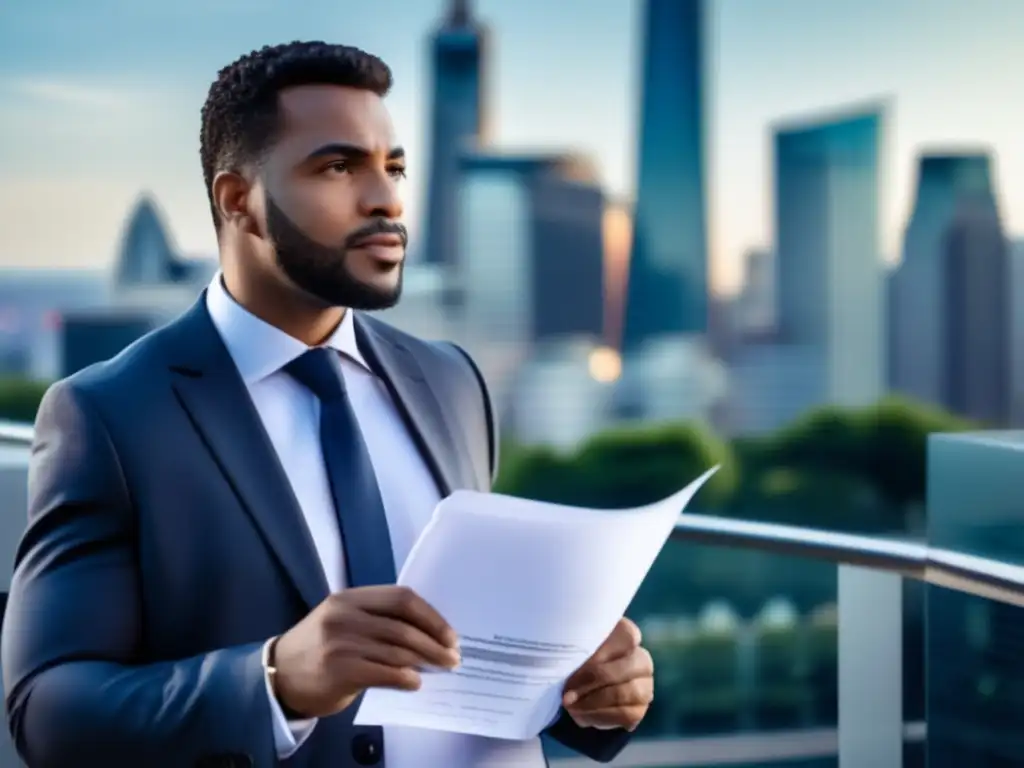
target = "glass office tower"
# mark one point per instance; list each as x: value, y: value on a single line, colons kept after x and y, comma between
x: 828, y: 251
x: 668, y: 291
x: 457, y: 119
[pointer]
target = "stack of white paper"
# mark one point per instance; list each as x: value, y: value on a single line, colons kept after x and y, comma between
x: 532, y: 589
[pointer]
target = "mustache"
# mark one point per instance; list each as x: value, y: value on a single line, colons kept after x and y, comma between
x: 378, y: 227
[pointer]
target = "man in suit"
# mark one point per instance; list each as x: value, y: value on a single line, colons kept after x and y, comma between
x: 216, y: 515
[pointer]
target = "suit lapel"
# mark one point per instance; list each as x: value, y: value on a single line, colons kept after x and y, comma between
x: 218, y: 404
x: 418, y: 405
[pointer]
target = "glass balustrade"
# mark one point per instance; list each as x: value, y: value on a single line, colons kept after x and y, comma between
x: 791, y: 646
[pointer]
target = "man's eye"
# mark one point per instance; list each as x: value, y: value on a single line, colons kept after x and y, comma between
x: 397, y: 172
x: 339, y: 166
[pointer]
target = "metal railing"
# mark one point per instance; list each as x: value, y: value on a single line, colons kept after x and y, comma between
x: 979, y: 576
x: 15, y: 433
x: 870, y: 570
x: 779, y: 748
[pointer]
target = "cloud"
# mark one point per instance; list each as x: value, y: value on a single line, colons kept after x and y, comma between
x: 67, y: 93
x: 77, y: 127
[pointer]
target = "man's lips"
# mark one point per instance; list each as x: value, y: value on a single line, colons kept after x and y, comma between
x: 383, y: 241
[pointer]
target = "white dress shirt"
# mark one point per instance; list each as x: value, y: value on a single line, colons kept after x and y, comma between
x: 291, y: 416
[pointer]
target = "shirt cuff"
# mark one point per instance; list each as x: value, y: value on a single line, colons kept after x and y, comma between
x: 289, y: 735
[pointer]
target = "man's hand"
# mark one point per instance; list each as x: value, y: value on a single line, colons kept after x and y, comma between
x: 368, y: 637
x: 614, y: 688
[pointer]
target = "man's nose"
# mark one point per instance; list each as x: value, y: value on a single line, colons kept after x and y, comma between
x: 380, y: 198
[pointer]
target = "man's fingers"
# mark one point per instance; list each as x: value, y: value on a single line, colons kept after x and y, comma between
x: 370, y: 674
x: 638, y: 692
x: 630, y: 627
x: 391, y: 655
x: 607, y: 719
x: 595, y: 675
x: 404, y: 604
x: 405, y: 635
x: 392, y: 642
x: 623, y: 639
x: 410, y: 607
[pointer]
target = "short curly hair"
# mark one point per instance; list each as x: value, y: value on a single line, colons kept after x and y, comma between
x: 239, y: 118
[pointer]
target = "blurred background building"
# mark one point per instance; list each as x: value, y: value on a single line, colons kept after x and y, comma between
x: 526, y: 259
x: 618, y: 362
x: 950, y: 298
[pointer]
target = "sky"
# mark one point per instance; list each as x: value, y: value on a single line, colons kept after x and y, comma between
x: 100, y: 100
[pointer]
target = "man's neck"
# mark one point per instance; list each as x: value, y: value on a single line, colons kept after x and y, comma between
x: 286, y: 310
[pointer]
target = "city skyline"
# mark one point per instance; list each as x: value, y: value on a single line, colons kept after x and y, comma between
x: 83, y: 134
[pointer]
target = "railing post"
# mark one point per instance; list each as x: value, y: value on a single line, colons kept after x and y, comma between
x: 13, y: 517
x: 870, y: 668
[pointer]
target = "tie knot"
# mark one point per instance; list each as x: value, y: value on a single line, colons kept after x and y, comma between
x: 319, y: 370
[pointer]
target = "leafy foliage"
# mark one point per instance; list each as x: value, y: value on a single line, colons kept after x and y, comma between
x: 623, y: 467
x: 857, y: 469
x: 840, y: 468
x: 20, y: 398
x: 884, y: 446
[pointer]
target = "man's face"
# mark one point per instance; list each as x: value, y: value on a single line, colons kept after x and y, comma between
x: 331, y: 202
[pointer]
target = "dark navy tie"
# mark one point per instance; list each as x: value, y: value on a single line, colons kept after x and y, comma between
x: 364, y: 528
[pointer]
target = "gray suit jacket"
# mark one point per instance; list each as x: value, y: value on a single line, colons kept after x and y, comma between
x: 164, y: 545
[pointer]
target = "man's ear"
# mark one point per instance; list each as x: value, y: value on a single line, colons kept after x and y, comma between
x: 233, y: 199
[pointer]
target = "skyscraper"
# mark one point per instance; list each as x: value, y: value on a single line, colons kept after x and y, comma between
x: 531, y: 226
x: 756, y: 305
x: 668, y: 291
x: 952, y: 279
x: 977, y: 320
x: 1017, y: 333
x: 532, y: 276
x: 829, y: 266
x: 457, y: 123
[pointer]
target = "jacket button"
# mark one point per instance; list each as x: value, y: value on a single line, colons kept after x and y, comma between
x: 366, y: 750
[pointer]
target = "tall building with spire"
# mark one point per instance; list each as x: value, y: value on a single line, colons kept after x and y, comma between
x: 668, y: 368
x: 457, y: 123
x: 668, y: 291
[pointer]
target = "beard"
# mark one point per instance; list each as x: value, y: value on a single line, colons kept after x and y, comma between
x: 322, y: 270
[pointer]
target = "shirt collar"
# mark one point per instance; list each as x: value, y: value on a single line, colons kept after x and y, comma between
x: 260, y: 349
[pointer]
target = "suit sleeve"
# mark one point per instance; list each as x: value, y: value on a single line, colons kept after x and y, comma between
x: 77, y: 690
x: 602, y: 746
x: 492, y: 423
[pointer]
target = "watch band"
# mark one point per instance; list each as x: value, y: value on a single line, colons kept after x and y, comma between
x: 270, y: 673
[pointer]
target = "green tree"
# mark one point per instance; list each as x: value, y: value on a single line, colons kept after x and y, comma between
x: 821, y: 497
x: 19, y: 398
x: 635, y: 465
x: 622, y: 467
x: 884, y: 445
x: 895, y: 437
x: 538, y: 472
